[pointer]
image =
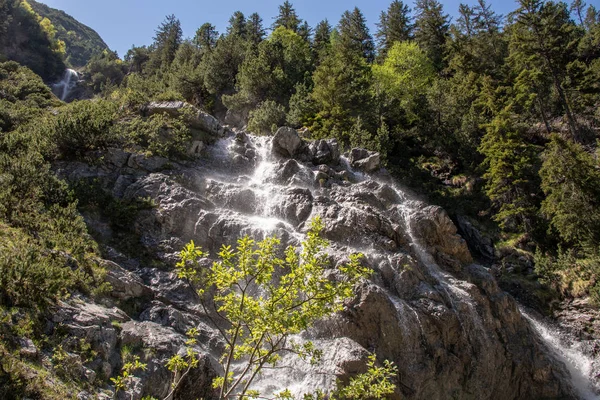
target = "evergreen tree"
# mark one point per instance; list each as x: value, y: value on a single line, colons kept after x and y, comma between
x: 206, y: 37
x: 321, y: 40
x: 137, y: 57
x: 167, y: 39
x: 272, y: 72
x: 221, y: 65
x: 431, y: 30
x: 578, y: 6
x: 287, y: 17
x: 543, y: 39
x: 354, y: 34
x: 511, y: 174
x: 254, y: 28
x: 394, y: 26
x: 237, y: 25
x: 341, y: 92
x: 571, y: 183
x: 305, y: 31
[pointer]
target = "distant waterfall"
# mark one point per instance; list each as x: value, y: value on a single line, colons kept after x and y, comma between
x: 68, y: 82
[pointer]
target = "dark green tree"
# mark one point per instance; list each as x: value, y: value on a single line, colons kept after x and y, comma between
x: 511, y: 174
x: 254, y: 28
x: 394, y: 26
x: 237, y: 25
x: 305, y: 31
x: 287, y: 17
x: 571, y: 183
x: 543, y: 39
x: 137, y: 57
x: 354, y: 35
x: 321, y: 39
x: 431, y: 30
x: 168, y: 36
x: 206, y: 37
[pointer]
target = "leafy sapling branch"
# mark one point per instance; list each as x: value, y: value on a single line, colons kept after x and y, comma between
x: 258, y: 301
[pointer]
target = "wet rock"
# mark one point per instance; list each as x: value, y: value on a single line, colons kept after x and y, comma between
x: 479, y: 244
x: 287, y: 143
x: 295, y: 205
x: 437, y: 233
x: 324, y: 151
x: 365, y: 160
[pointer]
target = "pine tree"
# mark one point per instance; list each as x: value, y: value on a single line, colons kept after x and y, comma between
x: 354, y: 34
x: 571, y: 183
x: 321, y: 40
x: 394, y: 26
x: 431, y: 30
x: 305, y: 31
x: 511, y: 174
x: 237, y: 25
x: 206, y: 37
x: 254, y: 28
x: 578, y: 6
x: 542, y: 38
x: 287, y: 17
x: 167, y: 39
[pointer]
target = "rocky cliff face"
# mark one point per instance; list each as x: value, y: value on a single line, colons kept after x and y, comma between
x: 442, y: 319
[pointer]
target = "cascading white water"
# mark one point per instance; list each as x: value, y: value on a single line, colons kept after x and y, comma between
x: 580, y: 367
x: 68, y: 82
x: 457, y: 294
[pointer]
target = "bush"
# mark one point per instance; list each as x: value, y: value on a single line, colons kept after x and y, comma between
x: 83, y: 126
x: 266, y: 117
x: 160, y: 134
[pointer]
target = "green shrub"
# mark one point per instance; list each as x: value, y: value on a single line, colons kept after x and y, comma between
x: 268, y: 115
x: 83, y: 126
x: 160, y: 134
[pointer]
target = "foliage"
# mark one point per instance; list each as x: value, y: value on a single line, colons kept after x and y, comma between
x: 82, y: 126
x: 571, y: 182
x: 266, y: 118
x: 263, y: 299
x: 81, y: 42
x: 159, y: 134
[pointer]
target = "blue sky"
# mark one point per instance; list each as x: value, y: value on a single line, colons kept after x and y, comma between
x: 122, y: 23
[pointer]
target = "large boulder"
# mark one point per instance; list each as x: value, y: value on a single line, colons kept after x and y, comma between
x: 437, y: 233
x: 324, y: 151
x: 287, y: 143
x: 365, y: 160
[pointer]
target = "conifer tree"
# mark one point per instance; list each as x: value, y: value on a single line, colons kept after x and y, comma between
x: 237, y: 25
x: 511, y: 174
x: 571, y: 183
x: 394, y: 26
x: 254, y: 28
x: 167, y: 39
x: 542, y: 38
x: 206, y: 37
x: 321, y: 40
x: 431, y: 30
x: 355, y: 36
x: 287, y: 17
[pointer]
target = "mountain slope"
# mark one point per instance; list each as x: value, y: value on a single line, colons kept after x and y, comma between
x: 81, y: 41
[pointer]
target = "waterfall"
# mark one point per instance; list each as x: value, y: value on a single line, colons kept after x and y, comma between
x: 261, y: 201
x: 68, y: 82
x: 581, y: 367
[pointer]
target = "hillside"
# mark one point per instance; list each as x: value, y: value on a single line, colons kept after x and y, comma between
x: 230, y: 215
x: 81, y: 41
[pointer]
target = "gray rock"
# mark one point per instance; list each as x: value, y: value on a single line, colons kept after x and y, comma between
x: 150, y: 164
x: 324, y: 151
x: 365, y: 160
x: 287, y: 143
x: 28, y: 348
